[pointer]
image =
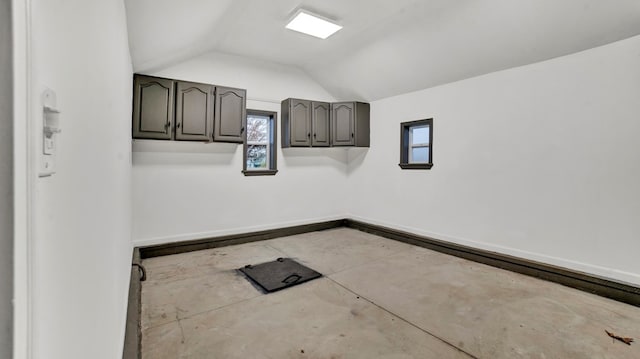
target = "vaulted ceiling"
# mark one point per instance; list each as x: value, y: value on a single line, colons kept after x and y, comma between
x: 387, y: 47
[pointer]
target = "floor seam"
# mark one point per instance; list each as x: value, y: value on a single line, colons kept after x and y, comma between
x: 403, y: 319
x: 182, y: 332
x: 277, y: 250
x: 222, y: 307
x: 203, y: 312
x: 373, y: 260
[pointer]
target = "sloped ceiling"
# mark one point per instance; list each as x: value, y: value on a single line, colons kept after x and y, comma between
x: 387, y: 47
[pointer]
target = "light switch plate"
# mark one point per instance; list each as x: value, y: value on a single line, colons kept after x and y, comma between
x: 50, y: 130
x: 47, y: 165
x: 48, y: 146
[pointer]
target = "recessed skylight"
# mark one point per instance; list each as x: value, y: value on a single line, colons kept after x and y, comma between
x: 311, y: 24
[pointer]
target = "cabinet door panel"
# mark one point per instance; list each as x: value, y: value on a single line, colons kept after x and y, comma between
x: 300, y: 122
x: 320, y: 120
x: 231, y: 116
x: 194, y: 112
x: 343, y: 129
x: 153, y: 108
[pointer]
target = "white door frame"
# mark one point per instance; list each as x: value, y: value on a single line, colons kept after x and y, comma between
x: 23, y: 180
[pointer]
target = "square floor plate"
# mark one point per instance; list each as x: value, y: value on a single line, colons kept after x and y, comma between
x: 279, y: 274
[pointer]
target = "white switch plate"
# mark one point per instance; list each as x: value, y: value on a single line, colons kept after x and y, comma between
x: 48, y: 146
x: 47, y: 159
x: 50, y: 128
x: 47, y: 165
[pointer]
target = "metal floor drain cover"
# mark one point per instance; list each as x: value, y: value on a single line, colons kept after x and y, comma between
x: 279, y: 274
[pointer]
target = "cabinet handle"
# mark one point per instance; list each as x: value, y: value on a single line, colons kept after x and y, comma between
x: 242, y: 130
x: 166, y: 125
x: 309, y: 134
x: 352, y: 135
x: 178, y: 125
x: 314, y: 135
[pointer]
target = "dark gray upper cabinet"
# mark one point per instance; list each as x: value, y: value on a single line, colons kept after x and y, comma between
x: 296, y: 123
x: 308, y: 123
x: 305, y: 123
x: 168, y: 109
x: 300, y: 122
x: 320, y: 123
x: 343, y: 133
x: 231, y: 114
x: 350, y: 124
x: 153, y: 115
x: 194, y: 111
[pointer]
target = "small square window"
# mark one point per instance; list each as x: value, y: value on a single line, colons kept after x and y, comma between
x: 416, y: 144
x: 259, y: 145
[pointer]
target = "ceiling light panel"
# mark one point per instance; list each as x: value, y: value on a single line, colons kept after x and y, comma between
x: 311, y: 24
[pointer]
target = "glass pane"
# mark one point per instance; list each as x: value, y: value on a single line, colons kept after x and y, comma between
x: 420, y: 155
x: 420, y: 134
x: 257, y: 157
x: 257, y: 128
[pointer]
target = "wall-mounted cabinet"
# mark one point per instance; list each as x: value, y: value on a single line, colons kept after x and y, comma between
x: 308, y: 123
x: 166, y: 109
x: 231, y: 114
x: 296, y: 117
x: 153, y: 101
x: 194, y: 111
x: 305, y: 123
x: 350, y: 124
x: 320, y: 124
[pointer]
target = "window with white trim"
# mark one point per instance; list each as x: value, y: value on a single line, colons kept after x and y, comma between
x: 260, y: 144
x: 416, y: 144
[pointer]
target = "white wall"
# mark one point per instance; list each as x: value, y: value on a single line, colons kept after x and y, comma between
x: 539, y: 161
x: 82, y: 214
x: 6, y: 182
x: 195, y: 190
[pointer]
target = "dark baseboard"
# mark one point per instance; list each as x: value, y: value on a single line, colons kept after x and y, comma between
x: 133, y: 331
x: 206, y: 243
x: 622, y: 292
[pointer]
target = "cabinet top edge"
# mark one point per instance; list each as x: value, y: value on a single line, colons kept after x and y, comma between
x: 137, y: 75
x: 329, y: 102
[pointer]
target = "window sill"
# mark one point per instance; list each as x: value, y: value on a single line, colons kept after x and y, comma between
x: 259, y: 172
x: 415, y: 166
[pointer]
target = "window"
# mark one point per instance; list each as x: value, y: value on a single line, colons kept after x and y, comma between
x: 260, y: 144
x: 416, y: 144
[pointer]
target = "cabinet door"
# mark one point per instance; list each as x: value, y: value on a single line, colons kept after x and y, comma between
x: 231, y: 114
x: 300, y: 122
x: 320, y: 124
x: 194, y: 112
x: 153, y: 108
x: 343, y: 126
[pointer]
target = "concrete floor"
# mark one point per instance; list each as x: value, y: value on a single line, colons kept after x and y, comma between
x: 378, y: 299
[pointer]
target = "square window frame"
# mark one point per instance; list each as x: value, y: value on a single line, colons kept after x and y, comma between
x: 405, y: 145
x: 272, y: 146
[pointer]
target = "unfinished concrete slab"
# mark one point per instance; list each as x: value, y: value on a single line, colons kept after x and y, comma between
x: 494, y: 313
x: 381, y: 299
x: 318, y: 319
x: 326, y: 252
